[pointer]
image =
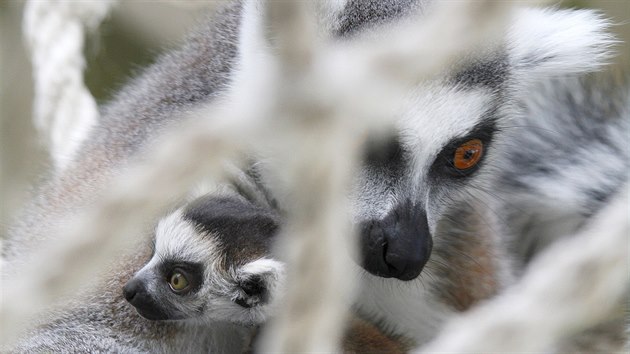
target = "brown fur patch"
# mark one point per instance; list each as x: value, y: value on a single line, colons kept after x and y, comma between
x: 464, y: 261
x: 365, y: 337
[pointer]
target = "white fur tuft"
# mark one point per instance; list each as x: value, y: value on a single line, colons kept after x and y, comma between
x: 271, y: 270
x: 265, y: 267
x: 544, y: 42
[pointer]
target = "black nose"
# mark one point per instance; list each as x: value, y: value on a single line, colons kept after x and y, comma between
x: 397, y: 246
x: 133, y: 291
x: 137, y: 294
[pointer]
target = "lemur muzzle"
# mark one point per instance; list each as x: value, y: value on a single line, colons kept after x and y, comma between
x: 397, y: 246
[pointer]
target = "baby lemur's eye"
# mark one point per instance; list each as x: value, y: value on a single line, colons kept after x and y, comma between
x: 468, y: 154
x: 178, y: 282
x: 182, y: 277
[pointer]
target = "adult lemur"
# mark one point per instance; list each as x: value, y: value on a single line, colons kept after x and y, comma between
x: 511, y: 143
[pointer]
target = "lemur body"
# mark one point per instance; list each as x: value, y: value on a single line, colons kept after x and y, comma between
x: 426, y: 221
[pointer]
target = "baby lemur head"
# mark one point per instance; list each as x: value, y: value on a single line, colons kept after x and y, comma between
x: 211, y: 263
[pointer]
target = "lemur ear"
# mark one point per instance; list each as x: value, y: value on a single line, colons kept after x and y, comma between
x: 548, y: 42
x: 258, y: 281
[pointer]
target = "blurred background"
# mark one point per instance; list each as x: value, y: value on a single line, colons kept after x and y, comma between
x: 129, y: 39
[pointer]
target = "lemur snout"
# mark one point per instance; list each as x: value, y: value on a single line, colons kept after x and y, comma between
x: 136, y: 293
x: 131, y: 289
x: 398, y: 246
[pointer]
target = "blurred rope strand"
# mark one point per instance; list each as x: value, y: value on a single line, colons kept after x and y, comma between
x: 64, y: 109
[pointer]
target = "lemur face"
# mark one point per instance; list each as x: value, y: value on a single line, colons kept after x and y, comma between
x: 415, y: 174
x: 211, y: 263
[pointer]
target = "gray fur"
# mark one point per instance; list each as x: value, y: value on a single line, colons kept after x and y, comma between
x: 359, y: 15
x: 565, y: 157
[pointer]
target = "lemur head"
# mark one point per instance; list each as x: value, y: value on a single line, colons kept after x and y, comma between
x: 211, y: 263
x: 447, y: 138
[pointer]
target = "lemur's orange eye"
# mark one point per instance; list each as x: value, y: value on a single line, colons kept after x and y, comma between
x: 468, y: 154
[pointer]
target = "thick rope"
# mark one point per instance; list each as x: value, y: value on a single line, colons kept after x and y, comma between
x: 64, y: 109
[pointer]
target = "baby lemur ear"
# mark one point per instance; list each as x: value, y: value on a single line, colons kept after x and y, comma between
x: 258, y: 282
x: 549, y: 42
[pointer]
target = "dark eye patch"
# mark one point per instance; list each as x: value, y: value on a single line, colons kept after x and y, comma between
x: 383, y: 152
x: 384, y: 156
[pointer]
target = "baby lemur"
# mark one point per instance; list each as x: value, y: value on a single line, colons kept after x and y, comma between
x: 210, y: 262
x: 210, y: 266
